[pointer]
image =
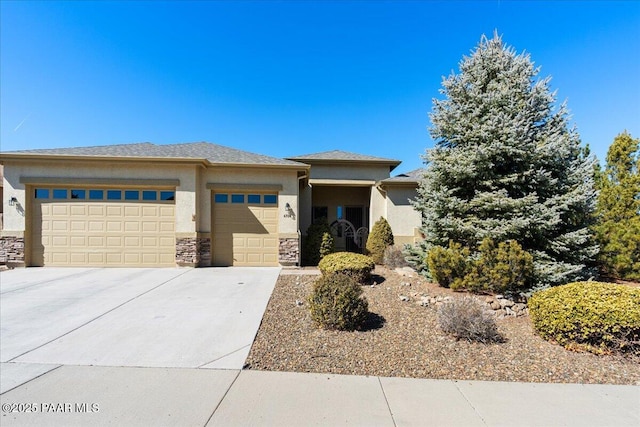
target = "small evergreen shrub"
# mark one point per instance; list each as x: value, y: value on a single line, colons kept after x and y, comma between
x: 313, y: 242
x: 394, y: 257
x: 593, y: 316
x: 379, y: 239
x: 336, y: 302
x: 465, y: 318
x: 447, y: 265
x: 327, y: 246
x: 506, y: 268
x: 356, y: 265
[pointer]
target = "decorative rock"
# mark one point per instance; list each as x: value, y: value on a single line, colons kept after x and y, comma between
x: 424, y: 301
x: 404, y: 298
x: 506, y: 303
x: 299, y: 303
x: 495, y: 305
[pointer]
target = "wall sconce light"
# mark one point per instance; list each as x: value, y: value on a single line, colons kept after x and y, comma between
x: 290, y: 213
x: 13, y: 201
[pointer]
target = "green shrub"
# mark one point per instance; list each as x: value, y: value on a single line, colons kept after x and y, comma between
x: 356, y: 265
x: 465, y: 318
x: 506, y: 268
x: 327, y: 246
x: 394, y: 257
x: 336, y: 302
x: 597, y: 317
x: 447, y: 265
x: 379, y: 239
x: 313, y: 242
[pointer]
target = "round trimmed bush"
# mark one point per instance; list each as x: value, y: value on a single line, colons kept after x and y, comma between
x: 336, y: 302
x: 356, y: 265
x: 593, y: 316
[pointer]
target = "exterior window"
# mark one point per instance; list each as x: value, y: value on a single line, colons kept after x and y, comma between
x: 270, y: 199
x: 114, y: 195
x: 237, y: 198
x: 42, y: 193
x: 59, y: 193
x: 132, y: 195
x: 78, y: 194
x: 96, y: 194
x: 253, y: 198
x: 319, y: 212
x: 167, y: 195
x: 221, y: 198
x: 149, y: 195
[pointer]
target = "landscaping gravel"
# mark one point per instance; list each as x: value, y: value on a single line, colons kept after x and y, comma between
x: 402, y: 339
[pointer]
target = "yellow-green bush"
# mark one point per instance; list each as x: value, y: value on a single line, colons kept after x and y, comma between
x: 356, y: 265
x: 594, y: 316
x: 447, y: 265
x: 336, y: 302
x: 504, y: 267
x: 380, y: 238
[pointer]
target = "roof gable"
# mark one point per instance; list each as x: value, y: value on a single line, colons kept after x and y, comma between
x: 411, y: 177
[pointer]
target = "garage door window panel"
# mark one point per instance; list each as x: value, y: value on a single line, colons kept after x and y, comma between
x: 221, y: 198
x: 114, y: 195
x: 149, y: 195
x: 78, y: 194
x: 42, y: 193
x: 59, y: 193
x: 96, y: 194
x: 167, y: 195
x: 132, y: 195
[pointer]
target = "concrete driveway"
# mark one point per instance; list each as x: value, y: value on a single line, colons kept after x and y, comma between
x: 171, y: 318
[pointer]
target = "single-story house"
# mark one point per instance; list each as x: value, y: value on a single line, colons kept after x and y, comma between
x: 194, y: 204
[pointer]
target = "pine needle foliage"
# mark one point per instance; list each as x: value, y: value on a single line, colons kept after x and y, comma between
x: 618, y: 209
x: 507, y: 166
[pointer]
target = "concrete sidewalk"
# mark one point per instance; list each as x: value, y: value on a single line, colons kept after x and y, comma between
x: 99, y: 395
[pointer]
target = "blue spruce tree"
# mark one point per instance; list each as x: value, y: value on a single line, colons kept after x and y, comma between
x: 507, y: 166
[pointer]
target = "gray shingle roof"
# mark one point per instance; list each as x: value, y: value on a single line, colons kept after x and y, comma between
x: 339, y: 155
x: 197, y: 150
x: 413, y: 176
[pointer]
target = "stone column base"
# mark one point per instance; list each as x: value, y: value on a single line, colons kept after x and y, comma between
x: 193, y: 251
x: 289, y: 251
x: 12, y: 251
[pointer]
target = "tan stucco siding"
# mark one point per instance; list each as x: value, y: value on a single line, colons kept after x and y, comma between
x: 74, y: 171
x: 350, y: 171
x: 378, y: 206
x: 402, y: 217
x: 305, y: 206
x: 287, y: 178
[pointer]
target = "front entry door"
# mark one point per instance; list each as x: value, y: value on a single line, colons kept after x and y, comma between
x: 354, y: 214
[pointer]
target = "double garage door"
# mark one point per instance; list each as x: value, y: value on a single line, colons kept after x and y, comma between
x: 245, y: 228
x: 103, y: 227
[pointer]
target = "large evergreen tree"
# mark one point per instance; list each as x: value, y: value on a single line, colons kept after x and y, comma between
x: 618, y: 209
x: 507, y: 166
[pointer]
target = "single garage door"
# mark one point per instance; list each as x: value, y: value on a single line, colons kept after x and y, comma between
x: 245, y: 229
x: 103, y: 227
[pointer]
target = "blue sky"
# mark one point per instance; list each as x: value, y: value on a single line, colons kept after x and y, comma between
x: 289, y: 78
